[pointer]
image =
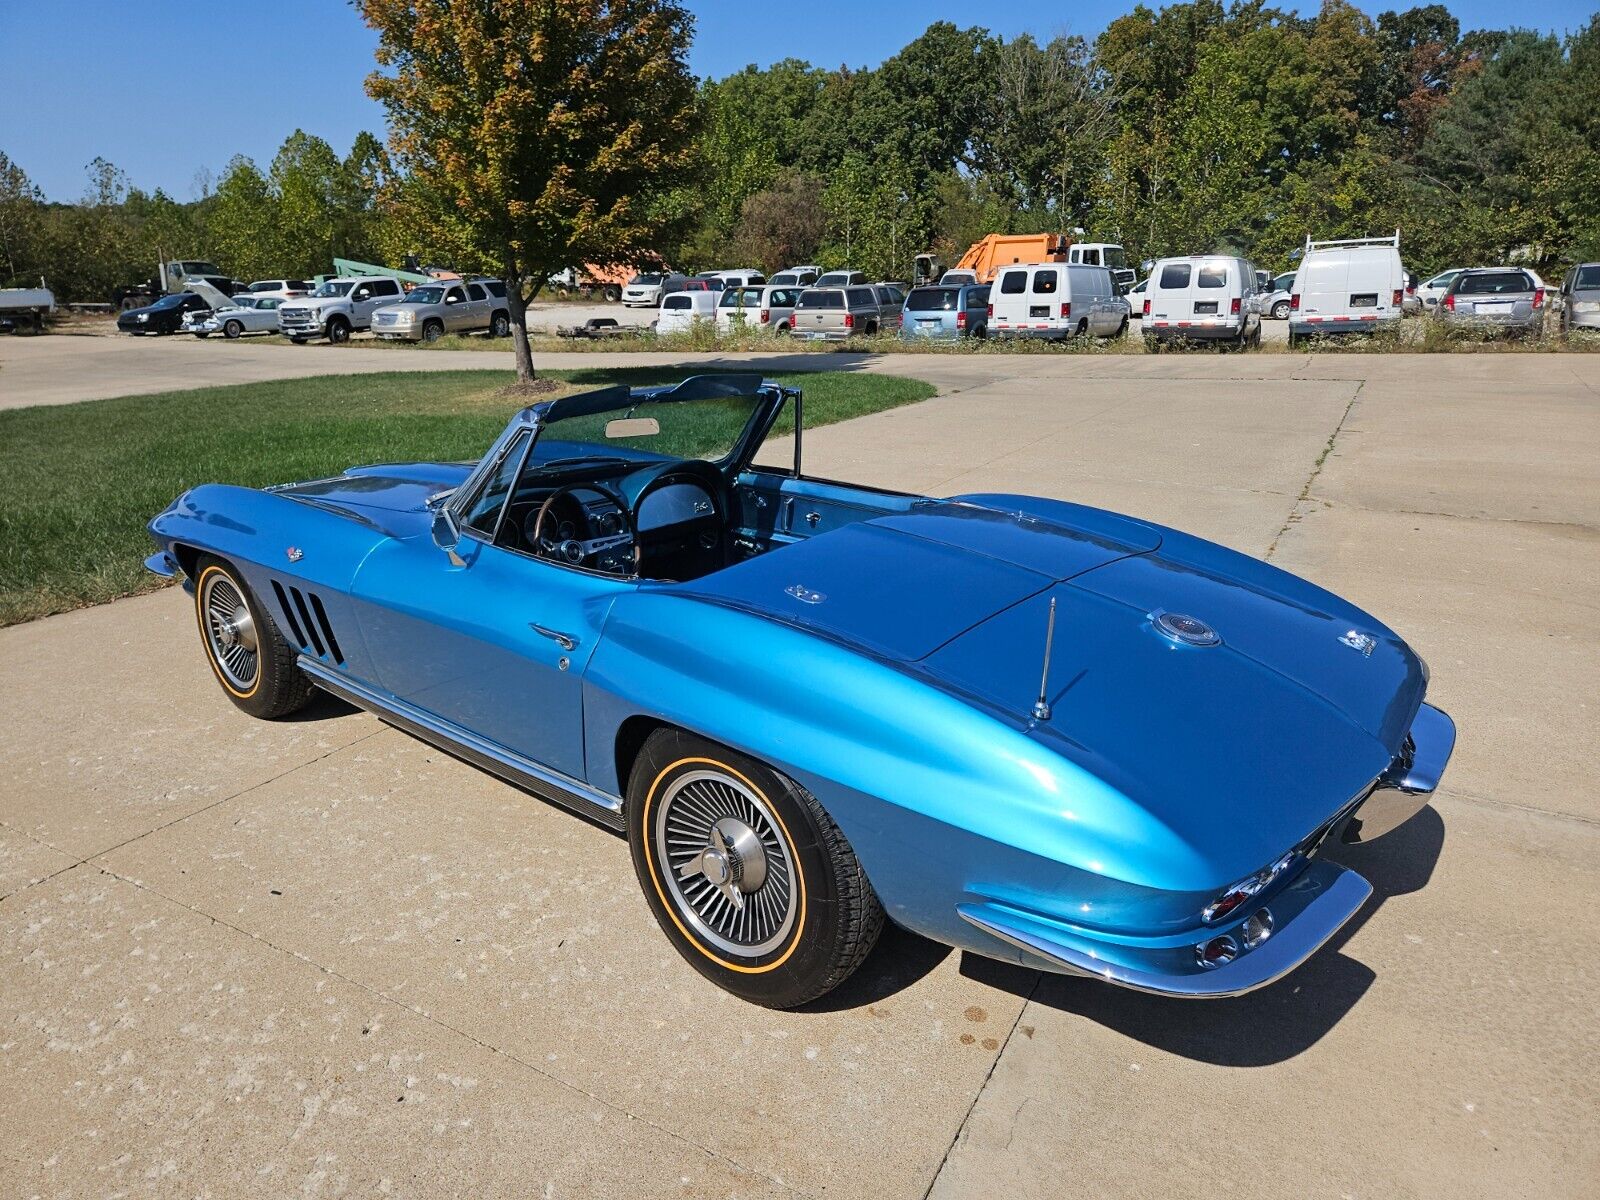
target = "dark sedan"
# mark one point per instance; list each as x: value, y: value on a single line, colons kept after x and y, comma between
x: 164, y: 316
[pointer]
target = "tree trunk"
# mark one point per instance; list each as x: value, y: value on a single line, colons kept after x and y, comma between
x: 519, y: 326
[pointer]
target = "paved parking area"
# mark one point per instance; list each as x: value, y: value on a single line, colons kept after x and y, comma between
x: 319, y: 957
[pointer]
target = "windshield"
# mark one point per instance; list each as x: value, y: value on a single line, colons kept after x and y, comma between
x: 645, y: 429
x: 644, y: 281
x: 1116, y: 257
x: 334, y: 287
x: 172, y: 301
x: 424, y: 295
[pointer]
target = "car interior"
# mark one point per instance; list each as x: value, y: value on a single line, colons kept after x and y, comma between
x: 659, y: 518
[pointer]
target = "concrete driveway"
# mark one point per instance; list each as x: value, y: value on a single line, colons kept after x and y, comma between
x: 318, y: 957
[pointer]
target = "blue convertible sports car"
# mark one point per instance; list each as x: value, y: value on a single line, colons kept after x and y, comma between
x: 1033, y: 730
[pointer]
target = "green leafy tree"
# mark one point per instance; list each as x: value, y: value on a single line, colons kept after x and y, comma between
x: 21, y: 212
x: 549, y: 130
x: 245, y: 221
x: 782, y: 225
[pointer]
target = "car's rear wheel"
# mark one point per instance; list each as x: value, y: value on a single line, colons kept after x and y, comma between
x: 747, y: 875
x: 1280, y: 311
x: 500, y: 325
x: 252, y: 661
x: 233, y: 329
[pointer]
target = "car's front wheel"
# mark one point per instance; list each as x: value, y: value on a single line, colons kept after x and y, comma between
x: 338, y: 330
x: 747, y: 875
x: 252, y: 661
x: 233, y: 330
x: 432, y: 331
x: 500, y: 325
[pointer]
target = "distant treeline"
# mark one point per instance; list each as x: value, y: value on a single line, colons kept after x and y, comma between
x: 1201, y: 127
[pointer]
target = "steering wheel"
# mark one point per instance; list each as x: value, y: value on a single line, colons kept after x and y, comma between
x: 575, y: 551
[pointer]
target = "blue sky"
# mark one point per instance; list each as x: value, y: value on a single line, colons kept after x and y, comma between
x: 164, y: 89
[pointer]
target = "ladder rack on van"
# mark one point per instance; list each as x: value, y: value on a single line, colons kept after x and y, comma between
x: 1373, y: 241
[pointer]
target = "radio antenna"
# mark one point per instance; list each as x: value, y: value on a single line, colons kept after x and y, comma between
x: 1041, y: 706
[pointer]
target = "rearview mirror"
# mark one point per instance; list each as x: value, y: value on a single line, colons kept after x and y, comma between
x: 633, y: 427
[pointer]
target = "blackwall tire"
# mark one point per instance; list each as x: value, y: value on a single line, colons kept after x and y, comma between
x: 745, y: 872
x: 252, y: 661
x: 1280, y: 311
x: 500, y: 325
x: 338, y: 331
x: 432, y: 331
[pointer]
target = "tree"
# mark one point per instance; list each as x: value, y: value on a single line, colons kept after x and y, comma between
x: 20, y: 212
x: 782, y: 225
x: 245, y: 221
x: 549, y: 130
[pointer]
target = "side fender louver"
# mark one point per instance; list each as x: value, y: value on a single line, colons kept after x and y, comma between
x: 308, y: 622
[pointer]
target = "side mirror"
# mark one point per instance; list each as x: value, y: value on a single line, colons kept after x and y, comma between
x: 447, y: 534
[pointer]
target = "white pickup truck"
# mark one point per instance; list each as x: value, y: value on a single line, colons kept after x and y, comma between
x: 337, y: 308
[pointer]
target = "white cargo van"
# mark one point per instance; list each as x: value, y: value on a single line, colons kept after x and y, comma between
x: 680, y: 310
x: 1104, y: 254
x: 1206, y: 297
x: 1055, y: 300
x: 1353, y: 285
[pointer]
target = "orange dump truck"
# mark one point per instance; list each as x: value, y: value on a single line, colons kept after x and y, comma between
x: 984, y: 258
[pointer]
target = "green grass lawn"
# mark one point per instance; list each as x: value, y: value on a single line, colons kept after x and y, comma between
x: 78, y: 482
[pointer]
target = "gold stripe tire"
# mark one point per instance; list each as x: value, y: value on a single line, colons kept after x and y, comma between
x: 746, y: 873
x: 265, y: 682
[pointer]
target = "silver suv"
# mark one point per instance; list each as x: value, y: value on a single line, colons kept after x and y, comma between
x: 1494, y: 298
x: 432, y: 310
x: 834, y: 314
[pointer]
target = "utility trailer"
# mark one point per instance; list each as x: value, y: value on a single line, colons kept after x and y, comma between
x: 26, y: 308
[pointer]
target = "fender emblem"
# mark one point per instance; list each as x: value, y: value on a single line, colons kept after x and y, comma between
x: 295, y: 554
x: 1363, y: 642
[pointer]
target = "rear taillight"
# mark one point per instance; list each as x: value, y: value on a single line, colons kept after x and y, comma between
x: 766, y: 315
x: 1233, y: 308
x: 902, y: 320
x: 1538, y: 297
x: 1450, y: 303
x: 991, y: 310
x: 849, y: 321
x: 1147, y: 308
x: 1399, y: 296
x: 1294, y: 302
x: 1236, y: 894
x: 961, y: 320
x: 1066, y: 309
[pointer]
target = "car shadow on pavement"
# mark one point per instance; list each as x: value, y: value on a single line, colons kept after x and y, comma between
x: 1263, y: 1027
x: 898, y: 961
x: 772, y: 364
x: 324, y: 706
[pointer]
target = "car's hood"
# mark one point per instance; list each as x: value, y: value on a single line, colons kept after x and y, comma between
x: 901, y: 586
x: 392, y: 496
x: 1258, y: 739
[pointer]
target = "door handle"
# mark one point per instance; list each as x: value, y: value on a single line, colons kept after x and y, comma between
x: 565, y: 640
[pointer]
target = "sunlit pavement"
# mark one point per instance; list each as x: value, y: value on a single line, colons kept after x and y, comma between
x: 255, y: 959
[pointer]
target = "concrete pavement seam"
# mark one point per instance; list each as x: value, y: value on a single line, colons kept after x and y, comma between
x: 430, y: 1019
x: 1316, y: 468
x: 982, y: 1087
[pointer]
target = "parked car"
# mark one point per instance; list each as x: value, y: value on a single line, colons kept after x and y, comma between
x: 1580, y: 298
x: 1506, y: 298
x: 958, y: 277
x: 803, y: 276
x: 946, y: 311
x: 431, y: 310
x: 1055, y: 301
x: 337, y: 308
x: 1432, y: 291
x: 765, y: 306
x: 814, y: 707
x: 645, y: 289
x: 1204, y: 297
x: 286, y: 288
x: 742, y: 277
x: 833, y: 314
x: 1352, y: 285
x: 247, y: 313
x: 1276, y: 296
x: 841, y: 279
x: 891, y: 299
x: 1135, y: 299
x: 163, y: 316
x: 680, y: 310
x: 26, y: 308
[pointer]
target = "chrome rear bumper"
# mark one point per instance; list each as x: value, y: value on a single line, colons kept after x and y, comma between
x: 1403, y: 790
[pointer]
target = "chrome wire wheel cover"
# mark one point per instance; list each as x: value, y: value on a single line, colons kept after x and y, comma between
x: 230, y: 631
x: 726, y: 862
